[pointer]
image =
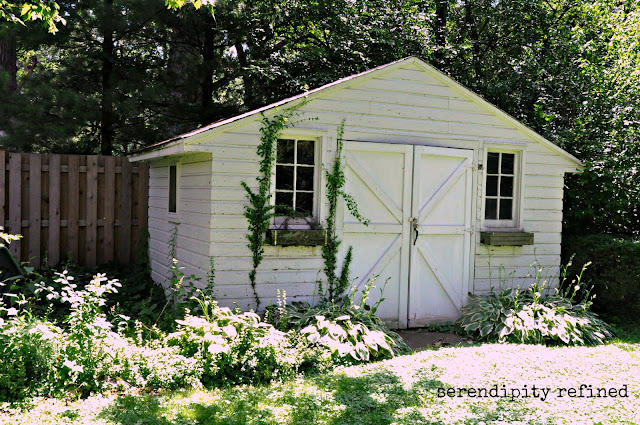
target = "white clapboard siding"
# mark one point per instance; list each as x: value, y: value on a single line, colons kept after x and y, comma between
x: 405, y: 105
x: 191, y: 224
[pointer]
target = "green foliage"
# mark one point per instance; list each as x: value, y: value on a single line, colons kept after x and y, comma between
x: 234, y: 347
x: 29, y: 348
x: 83, y: 357
x: 349, y: 332
x: 614, y: 274
x: 46, y: 11
x: 6, y: 238
x: 259, y: 211
x: 530, y: 317
x: 337, y: 285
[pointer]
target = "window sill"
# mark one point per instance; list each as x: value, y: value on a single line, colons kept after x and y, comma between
x: 300, y: 237
x: 506, y: 238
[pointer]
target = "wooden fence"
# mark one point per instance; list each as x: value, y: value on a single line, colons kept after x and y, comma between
x: 91, y: 209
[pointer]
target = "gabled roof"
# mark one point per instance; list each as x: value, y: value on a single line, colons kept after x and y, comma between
x: 178, y: 144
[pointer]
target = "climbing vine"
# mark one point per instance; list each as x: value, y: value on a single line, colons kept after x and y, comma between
x: 337, y: 284
x: 259, y: 211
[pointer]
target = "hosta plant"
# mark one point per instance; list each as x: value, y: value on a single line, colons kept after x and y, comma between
x: 350, y: 331
x: 533, y: 317
x: 233, y: 347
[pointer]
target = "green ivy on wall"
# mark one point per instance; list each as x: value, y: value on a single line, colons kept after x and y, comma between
x: 260, y: 211
x: 337, y: 284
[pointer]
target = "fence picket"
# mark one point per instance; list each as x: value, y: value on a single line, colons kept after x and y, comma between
x: 73, y: 205
x: 35, y: 206
x: 2, y: 188
x: 53, y: 248
x: 109, y: 207
x: 124, y: 250
x: 15, y: 200
x: 91, y: 230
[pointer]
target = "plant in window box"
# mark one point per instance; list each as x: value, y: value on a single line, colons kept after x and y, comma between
x: 283, y: 235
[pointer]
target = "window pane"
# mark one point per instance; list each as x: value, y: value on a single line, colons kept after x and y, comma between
x: 284, y: 177
x: 304, y: 178
x: 506, y: 209
x: 491, y: 209
x: 305, y: 152
x: 506, y: 186
x: 285, y: 151
x: 284, y: 203
x: 173, y: 177
x: 492, y: 185
x: 304, y: 202
x: 507, y: 163
x: 492, y: 163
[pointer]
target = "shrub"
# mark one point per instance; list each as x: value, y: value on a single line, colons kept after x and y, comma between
x: 614, y: 274
x: 350, y: 332
x: 233, y: 347
x: 29, y: 348
x: 529, y: 317
x: 84, y: 362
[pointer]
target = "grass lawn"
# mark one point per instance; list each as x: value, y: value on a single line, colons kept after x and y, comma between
x: 405, y: 390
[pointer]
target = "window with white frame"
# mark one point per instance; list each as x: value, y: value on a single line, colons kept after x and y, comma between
x: 501, y: 189
x: 295, y: 178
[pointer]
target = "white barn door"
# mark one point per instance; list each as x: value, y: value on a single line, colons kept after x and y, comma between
x: 441, y: 234
x: 401, y: 189
x: 379, y: 177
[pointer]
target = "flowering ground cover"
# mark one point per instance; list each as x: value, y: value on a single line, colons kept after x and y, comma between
x: 489, y: 383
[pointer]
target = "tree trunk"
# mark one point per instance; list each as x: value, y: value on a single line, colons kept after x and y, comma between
x: 441, y: 32
x: 106, y: 102
x: 9, y: 58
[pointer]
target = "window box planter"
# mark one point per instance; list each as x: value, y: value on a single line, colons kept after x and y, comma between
x: 506, y: 238
x: 300, y: 237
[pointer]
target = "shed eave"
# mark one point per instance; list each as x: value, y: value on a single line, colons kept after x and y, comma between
x: 175, y: 148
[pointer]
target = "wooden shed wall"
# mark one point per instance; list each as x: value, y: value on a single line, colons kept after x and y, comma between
x: 186, y: 232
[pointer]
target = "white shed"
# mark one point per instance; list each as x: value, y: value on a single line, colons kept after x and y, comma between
x: 456, y: 191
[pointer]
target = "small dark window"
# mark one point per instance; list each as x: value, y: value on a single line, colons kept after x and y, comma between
x: 499, y: 192
x: 295, y: 177
x: 173, y: 188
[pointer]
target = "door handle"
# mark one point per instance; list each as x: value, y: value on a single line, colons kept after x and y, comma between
x: 414, y: 222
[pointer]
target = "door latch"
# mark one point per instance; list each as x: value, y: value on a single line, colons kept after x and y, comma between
x: 414, y: 223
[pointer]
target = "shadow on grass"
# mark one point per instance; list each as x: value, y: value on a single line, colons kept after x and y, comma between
x: 372, y: 398
x: 627, y: 331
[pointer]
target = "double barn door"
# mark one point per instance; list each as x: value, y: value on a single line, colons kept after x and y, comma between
x: 418, y: 242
